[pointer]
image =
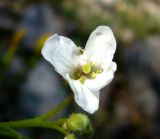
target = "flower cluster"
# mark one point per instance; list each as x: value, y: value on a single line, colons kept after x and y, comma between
x: 87, y: 70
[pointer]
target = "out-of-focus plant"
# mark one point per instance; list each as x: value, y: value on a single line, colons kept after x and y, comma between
x: 134, y: 19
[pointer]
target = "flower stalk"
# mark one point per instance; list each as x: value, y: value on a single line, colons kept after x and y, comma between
x: 33, y: 123
x: 39, y: 121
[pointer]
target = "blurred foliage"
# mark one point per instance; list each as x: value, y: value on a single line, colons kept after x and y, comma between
x: 130, y: 19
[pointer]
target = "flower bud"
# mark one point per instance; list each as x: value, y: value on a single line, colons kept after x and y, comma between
x: 79, y: 123
x: 70, y: 136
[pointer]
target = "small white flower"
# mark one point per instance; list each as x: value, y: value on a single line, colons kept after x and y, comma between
x: 88, y: 70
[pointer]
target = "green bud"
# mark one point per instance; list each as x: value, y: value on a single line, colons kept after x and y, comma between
x: 70, y: 136
x: 89, y: 130
x: 77, y: 122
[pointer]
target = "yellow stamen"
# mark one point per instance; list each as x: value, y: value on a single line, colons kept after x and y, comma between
x: 93, y: 75
x: 86, y: 68
x: 86, y: 72
x: 82, y: 79
x: 81, y: 50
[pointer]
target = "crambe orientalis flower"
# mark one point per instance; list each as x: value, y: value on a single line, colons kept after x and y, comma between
x: 87, y: 70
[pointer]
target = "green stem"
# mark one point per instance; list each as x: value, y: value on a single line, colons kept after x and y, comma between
x: 33, y: 123
x: 56, y: 109
x: 39, y: 121
x: 60, y: 122
x: 9, y: 132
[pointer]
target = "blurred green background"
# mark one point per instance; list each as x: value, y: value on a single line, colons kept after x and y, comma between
x: 29, y: 86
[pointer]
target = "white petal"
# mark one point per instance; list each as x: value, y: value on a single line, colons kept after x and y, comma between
x: 102, y: 79
x: 85, y: 98
x: 101, y: 45
x: 59, y: 51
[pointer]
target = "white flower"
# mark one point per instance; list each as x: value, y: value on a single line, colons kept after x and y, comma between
x: 88, y: 70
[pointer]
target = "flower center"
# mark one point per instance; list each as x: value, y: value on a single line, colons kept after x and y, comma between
x: 86, y: 71
x: 86, y: 68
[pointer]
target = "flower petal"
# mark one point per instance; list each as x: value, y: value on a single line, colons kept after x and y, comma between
x: 101, y: 45
x: 59, y: 51
x: 102, y: 79
x: 85, y: 98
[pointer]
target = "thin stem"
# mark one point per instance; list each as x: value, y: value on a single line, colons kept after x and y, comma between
x: 9, y: 132
x: 56, y: 109
x: 33, y: 123
x: 39, y: 121
x: 60, y: 121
